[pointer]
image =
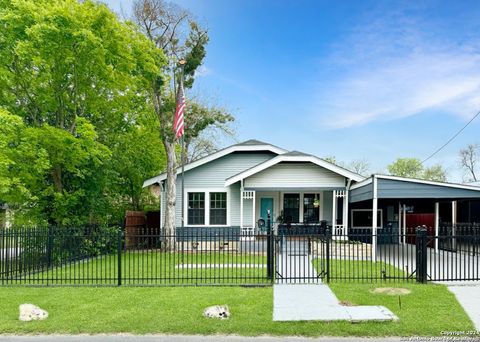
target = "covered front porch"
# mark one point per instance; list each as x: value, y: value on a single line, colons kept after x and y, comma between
x: 294, y: 211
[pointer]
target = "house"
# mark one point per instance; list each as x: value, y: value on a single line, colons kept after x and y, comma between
x: 235, y: 187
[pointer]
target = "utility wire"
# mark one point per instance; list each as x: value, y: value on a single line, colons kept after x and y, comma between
x: 451, y: 139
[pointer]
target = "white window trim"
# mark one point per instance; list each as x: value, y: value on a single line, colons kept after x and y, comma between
x: 380, y: 211
x: 207, y: 192
x: 301, y: 208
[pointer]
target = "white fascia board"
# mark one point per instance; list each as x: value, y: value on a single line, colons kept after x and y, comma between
x: 216, y: 155
x: 421, y: 181
x: 152, y: 181
x: 282, y: 158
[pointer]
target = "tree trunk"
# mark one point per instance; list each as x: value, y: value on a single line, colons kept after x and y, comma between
x: 57, y: 178
x: 171, y: 188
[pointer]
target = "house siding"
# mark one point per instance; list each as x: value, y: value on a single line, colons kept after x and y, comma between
x: 361, y: 194
x: 295, y: 176
x: 213, y: 175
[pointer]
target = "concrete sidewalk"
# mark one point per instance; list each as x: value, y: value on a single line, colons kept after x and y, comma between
x: 305, y: 302
x: 468, y: 295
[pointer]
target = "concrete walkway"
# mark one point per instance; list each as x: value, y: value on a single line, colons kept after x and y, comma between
x: 307, y: 302
x: 299, y: 294
x: 294, y: 264
x: 468, y: 295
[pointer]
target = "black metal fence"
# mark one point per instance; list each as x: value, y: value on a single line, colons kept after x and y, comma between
x: 104, y: 256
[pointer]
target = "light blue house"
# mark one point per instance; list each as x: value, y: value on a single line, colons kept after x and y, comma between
x: 234, y: 187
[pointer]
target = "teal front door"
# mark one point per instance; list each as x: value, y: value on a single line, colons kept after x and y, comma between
x: 266, y: 204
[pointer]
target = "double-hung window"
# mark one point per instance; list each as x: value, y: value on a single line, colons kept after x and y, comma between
x: 196, y: 208
x: 207, y: 209
x: 218, y: 208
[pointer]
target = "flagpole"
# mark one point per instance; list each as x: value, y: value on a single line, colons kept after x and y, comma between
x: 182, y: 156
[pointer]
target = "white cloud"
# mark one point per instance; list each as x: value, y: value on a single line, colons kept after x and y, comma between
x: 386, y: 73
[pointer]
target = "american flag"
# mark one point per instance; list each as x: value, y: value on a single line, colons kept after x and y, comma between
x: 178, y: 122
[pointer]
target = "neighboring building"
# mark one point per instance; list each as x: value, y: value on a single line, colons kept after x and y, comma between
x: 235, y: 187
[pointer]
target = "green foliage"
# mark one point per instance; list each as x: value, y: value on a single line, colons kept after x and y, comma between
x: 413, y: 168
x: 137, y: 155
x: 42, y: 247
x: 23, y: 162
x: 61, y: 59
x: 406, y: 167
x: 75, y: 78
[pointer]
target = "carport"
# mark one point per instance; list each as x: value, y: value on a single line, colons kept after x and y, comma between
x: 392, y: 206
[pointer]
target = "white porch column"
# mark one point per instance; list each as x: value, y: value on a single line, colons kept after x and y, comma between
x: 345, y: 213
x: 241, y: 205
x: 253, y: 210
x: 334, y: 211
x: 437, y: 224
x: 374, y: 220
x: 404, y: 222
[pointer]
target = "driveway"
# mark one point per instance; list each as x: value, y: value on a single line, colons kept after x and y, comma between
x: 468, y: 295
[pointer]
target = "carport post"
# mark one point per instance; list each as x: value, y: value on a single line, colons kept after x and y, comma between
x: 454, y: 225
x: 374, y: 220
x: 399, y: 223
x: 437, y: 224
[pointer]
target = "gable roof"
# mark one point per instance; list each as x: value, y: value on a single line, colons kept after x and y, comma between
x: 249, y: 145
x: 294, y: 156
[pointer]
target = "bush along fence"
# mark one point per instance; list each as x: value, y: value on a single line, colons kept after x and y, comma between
x: 104, y: 256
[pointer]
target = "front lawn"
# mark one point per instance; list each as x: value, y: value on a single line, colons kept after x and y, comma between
x: 153, y: 267
x: 428, y: 310
x: 360, y: 270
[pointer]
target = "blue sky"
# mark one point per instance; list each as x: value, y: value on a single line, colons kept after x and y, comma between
x: 373, y: 80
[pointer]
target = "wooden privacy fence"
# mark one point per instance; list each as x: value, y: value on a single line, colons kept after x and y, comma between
x: 140, y: 228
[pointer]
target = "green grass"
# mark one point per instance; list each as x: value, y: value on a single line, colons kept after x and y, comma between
x: 341, y: 270
x: 428, y: 310
x: 153, y: 267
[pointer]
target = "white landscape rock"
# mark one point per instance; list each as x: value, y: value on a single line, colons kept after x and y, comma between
x: 30, y: 312
x: 217, y: 311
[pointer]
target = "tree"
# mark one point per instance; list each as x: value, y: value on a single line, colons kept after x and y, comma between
x: 331, y: 160
x: 136, y: 157
x: 360, y: 166
x: 23, y: 162
x: 406, y: 167
x: 435, y: 173
x: 76, y: 75
x: 413, y: 168
x: 469, y: 157
x: 208, y: 142
x: 174, y: 32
